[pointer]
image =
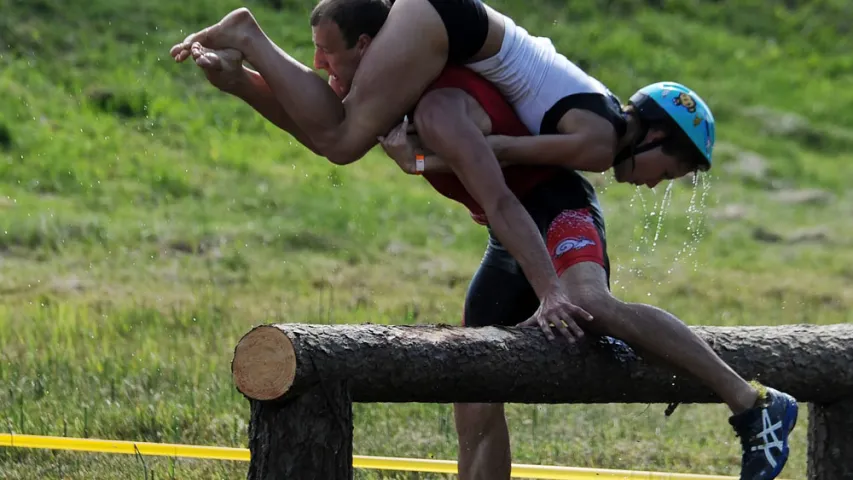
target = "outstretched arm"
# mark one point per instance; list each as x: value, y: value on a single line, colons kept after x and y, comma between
x: 577, y: 151
x: 570, y: 151
x: 585, y: 141
x: 587, y: 148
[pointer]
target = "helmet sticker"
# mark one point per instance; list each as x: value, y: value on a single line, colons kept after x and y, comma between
x: 686, y: 101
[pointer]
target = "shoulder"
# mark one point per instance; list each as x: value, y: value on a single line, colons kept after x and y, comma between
x: 590, y: 125
x: 571, y: 113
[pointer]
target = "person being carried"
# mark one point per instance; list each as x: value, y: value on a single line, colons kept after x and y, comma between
x: 549, y: 192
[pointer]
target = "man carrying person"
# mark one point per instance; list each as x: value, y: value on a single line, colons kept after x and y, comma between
x: 578, y: 117
x: 559, y: 202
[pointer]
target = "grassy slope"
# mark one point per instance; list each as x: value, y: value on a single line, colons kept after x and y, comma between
x: 146, y: 225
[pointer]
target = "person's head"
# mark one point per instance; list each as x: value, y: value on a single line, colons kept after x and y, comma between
x: 676, y: 135
x: 342, y: 30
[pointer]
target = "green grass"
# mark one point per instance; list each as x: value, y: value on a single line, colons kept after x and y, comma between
x: 148, y: 221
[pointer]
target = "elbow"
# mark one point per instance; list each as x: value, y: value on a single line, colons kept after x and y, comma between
x: 500, y: 203
x: 599, y: 159
x: 600, y: 167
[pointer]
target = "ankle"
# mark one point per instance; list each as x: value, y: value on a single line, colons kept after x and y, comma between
x: 749, y: 397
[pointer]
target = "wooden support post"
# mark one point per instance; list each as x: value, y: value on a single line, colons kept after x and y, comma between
x: 830, y: 454
x: 306, y: 437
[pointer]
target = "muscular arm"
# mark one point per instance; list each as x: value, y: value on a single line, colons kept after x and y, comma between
x: 447, y: 130
x: 578, y: 151
x: 587, y: 148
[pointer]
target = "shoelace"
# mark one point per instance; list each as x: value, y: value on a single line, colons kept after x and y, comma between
x: 671, y: 408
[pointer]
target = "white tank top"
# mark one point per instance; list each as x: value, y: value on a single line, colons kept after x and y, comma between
x: 532, y: 75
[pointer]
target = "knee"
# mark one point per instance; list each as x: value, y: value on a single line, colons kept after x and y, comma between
x: 475, y: 420
x: 342, y: 158
x: 347, y: 143
x: 593, y: 300
x: 430, y: 115
x: 609, y: 316
x: 341, y: 153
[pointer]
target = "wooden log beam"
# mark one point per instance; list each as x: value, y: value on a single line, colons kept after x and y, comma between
x: 445, y: 364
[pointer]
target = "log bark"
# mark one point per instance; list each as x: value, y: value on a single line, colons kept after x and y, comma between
x: 830, y: 437
x: 513, y: 365
x: 307, y: 437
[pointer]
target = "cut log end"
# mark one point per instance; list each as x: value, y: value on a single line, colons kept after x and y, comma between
x: 264, y: 364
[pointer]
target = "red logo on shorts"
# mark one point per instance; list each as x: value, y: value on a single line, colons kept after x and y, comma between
x: 573, y: 238
x: 570, y: 244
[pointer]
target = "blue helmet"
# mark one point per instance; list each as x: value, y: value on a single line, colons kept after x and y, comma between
x: 675, y: 103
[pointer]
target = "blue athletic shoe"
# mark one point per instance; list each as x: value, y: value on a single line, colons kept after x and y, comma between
x: 763, y: 432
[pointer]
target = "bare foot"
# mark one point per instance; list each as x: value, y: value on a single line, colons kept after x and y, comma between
x: 223, y: 68
x: 233, y: 31
x: 227, y: 60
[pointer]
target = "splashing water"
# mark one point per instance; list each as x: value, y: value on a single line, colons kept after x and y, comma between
x: 648, y: 239
x: 653, y: 214
x: 664, y: 204
x: 638, y: 192
x: 696, y: 220
x: 632, y: 267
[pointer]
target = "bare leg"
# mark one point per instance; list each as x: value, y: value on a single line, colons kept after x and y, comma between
x: 484, y: 448
x: 657, y: 332
x: 762, y: 417
x: 224, y: 69
x: 404, y: 58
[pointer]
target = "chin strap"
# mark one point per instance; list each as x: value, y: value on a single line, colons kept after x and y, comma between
x: 634, y: 149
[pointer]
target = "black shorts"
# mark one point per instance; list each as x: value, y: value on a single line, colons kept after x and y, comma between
x: 467, y: 25
x: 569, y: 217
x: 567, y: 212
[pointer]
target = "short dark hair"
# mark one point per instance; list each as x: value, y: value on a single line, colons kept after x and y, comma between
x: 676, y: 143
x: 679, y: 145
x: 354, y: 17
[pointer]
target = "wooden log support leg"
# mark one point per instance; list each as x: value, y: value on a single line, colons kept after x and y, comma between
x: 307, y: 437
x: 830, y: 451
